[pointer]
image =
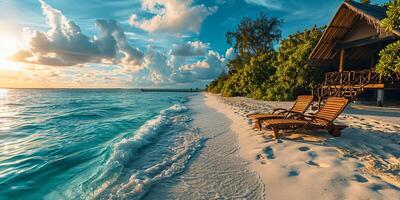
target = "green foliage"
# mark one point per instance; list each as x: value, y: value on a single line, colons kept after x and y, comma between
x: 216, y: 85
x: 389, y: 61
x: 268, y: 74
x: 278, y: 75
x: 253, y: 37
x: 293, y: 74
x: 249, y: 79
x: 392, y: 21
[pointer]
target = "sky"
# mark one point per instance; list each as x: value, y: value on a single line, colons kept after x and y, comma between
x: 132, y: 43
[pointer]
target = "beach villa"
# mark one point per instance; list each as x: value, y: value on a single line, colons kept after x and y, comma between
x: 348, y: 53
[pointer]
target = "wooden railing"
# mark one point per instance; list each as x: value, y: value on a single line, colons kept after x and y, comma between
x: 359, y: 77
x: 351, y: 84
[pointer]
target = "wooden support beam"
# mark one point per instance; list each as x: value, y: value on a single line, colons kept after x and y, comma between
x: 364, y: 42
x: 341, y: 63
x: 373, y: 59
x: 380, y: 97
x: 340, y: 27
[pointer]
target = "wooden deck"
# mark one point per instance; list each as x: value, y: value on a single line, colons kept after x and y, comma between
x: 360, y: 77
x: 368, y: 86
x: 351, y: 84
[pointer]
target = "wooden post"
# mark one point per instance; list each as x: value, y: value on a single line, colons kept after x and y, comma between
x: 341, y: 60
x: 372, y: 62
x: 380, y: 97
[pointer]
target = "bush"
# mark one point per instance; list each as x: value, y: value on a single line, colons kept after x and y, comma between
x: 217, y: 85
x: 392, y: 21
x: 293, y: 75
x: 389, y: 61
x: 248, y: 80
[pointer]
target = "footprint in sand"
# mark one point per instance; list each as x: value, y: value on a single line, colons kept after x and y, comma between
x: 311, y: 162
x: 312, y: 154
x: 377, y: 187
x: 360, y: 165
x: 269, y: 152
x: 293, y: 172
x: 304, y: 148
x: 360, y: 178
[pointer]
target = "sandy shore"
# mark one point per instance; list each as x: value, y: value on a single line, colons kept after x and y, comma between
x: 362, y: 164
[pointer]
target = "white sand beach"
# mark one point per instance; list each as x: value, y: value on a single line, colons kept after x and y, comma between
x: 364, y: 163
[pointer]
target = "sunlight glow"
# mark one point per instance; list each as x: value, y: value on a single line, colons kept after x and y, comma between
x: 9, y: 45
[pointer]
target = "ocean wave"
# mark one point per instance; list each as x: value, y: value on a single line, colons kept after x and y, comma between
x: 127, y: 147
x: 140, y: 182
x: 117, y: 181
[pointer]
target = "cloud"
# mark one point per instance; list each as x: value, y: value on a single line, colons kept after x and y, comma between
x: 159, y: 71
x: 108, y: 57
x: 179, y: 52
x: 172, y: 16
x: 190, y: 48
x: 156, y: 63
x: 230, y: 53
x: 65, y: 44
x: 270, y: 4
x: 207, y: 69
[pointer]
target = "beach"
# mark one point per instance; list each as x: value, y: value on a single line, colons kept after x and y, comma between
x: 361, y: 164
x: 129, y: 144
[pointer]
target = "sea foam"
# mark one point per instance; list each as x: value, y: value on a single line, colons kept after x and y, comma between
x: 118, y: 181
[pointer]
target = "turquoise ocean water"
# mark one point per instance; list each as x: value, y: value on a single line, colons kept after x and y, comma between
x: 92, y: 144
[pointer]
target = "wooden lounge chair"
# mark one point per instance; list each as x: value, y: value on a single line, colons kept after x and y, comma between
x: 323, y: 119
x: 301, y: 105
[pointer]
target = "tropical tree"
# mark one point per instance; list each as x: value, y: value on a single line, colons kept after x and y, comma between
x: 217, y: 85
x: 389, y: 61
x: 253, y: 37
x: 293, y: 74
x: 252, y: 78
x: 392, y: 21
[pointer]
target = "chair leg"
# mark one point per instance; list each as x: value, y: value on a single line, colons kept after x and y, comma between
x: 276, y: 132
x: 335, y: 131
x: 257, y: 124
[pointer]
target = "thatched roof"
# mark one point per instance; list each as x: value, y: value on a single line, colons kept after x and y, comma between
x: 348, y: 14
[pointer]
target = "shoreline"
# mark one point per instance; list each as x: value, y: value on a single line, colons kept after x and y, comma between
x: 315, y: 166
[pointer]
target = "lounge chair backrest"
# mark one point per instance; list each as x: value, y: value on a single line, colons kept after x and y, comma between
x: 302, y: 103
x: 333, y: 107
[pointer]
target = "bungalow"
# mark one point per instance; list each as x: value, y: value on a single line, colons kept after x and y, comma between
x: 348, y: 52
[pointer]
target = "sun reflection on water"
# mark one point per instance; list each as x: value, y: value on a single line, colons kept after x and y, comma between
x: 4, y: 110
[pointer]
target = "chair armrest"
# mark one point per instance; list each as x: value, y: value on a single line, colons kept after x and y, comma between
x: 249, y: 115
x: 281, y: 110
x: 294, y: 115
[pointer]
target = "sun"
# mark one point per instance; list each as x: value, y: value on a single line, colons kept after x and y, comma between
x: 8, y: 46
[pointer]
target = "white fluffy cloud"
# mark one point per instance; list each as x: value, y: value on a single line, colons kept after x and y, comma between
x: 190, y: 48
x: 179, y: 52
x: 157, y: 71
x: 65, y: 44
x: 172, y: 16
x: 209, y: 68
